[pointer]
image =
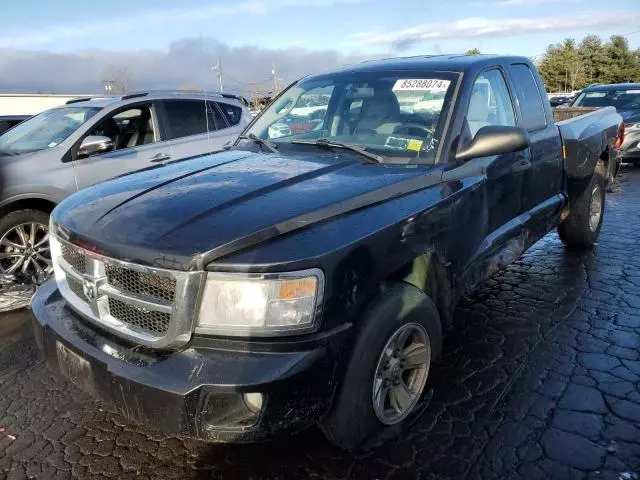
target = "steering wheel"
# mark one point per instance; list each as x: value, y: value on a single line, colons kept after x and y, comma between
x: 409, y: 129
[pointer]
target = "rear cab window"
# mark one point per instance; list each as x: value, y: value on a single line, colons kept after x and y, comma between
x: 529, y: 97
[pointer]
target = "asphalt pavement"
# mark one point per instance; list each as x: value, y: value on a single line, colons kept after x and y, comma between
x: 540, y: 379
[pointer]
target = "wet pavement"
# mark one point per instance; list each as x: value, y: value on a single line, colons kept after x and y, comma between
x: 540, y: 379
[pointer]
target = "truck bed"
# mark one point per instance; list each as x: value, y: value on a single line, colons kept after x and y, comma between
x: 565, y: 113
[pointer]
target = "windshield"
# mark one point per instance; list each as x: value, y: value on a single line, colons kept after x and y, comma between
x: 45, y: 130
x: 625, y: 99
x: 397, y: 115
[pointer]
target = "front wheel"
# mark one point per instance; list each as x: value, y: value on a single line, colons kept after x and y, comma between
x: 24, y: 245
x: 386, y: 378
x: 582, y: 226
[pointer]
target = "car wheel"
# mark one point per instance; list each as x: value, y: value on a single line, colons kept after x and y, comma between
x: 396, y: 344
x: 582, y: 226
x: 24, y: 245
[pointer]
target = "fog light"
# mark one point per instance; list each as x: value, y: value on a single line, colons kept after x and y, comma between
x: 253, y: 401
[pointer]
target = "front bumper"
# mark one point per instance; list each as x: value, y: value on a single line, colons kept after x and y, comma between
x: 630, y: 148
x: 196, y: 392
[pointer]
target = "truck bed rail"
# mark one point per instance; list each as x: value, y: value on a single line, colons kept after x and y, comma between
x: 560, y: 114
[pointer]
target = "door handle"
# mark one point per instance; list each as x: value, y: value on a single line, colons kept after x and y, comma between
x: 521, y: 166
x: 160, y: 157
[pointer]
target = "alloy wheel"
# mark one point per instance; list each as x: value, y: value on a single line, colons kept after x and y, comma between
x: 24, y: 250
x: 595, y: 208
x: 401, y: 373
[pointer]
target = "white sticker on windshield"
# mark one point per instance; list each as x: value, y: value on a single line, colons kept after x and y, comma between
x: 430, y: 84
x: 52, y: 144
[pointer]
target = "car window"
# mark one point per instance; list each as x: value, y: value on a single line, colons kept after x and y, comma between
x: 232, y: 113
x: 490, y: 104
x: 45, y: 130
x: 398, y: 115
x: 531, y: 106
x: 188, y: 117
x: 623, y: 99
x: 216, y: 120
x: 128, y: 128
x: 306, y: 115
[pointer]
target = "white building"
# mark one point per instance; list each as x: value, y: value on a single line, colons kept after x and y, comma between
x: 31, y: 103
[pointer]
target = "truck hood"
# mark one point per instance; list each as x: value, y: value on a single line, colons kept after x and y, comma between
x: 185, y: 215
x: 630, y: 116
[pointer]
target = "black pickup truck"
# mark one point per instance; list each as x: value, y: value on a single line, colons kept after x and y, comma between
x: 308, y: 274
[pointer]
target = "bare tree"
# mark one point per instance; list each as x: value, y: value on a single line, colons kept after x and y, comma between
x: 117, y: 80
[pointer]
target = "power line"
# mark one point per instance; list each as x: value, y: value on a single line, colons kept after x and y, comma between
x: 262, y: 82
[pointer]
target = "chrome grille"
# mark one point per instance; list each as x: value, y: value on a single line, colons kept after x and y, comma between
x: 150, y: 306
x: 75, y: 258
x: 142, y: 318
x: 139, y: 283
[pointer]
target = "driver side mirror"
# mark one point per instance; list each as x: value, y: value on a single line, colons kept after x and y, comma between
x: 94, y: 144
x: 494, y: 140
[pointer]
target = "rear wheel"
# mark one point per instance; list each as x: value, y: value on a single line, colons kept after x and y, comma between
x: 389, y: 370
x: 582, y: 226
x: 24, y: 245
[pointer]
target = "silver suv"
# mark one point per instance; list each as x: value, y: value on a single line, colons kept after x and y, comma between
x: 86, y: 141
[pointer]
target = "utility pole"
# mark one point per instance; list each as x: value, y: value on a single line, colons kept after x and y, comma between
x: 275, y: 80
x: 218, y: 69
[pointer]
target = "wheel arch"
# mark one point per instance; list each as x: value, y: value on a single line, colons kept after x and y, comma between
x: 430, y: 273
x: 40, y: 203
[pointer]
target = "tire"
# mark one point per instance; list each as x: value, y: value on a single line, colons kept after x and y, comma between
x: 352, y: 423
x: 27, y: 218
x: 578, y: 230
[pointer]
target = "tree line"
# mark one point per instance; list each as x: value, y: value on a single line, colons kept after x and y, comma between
x: 568, y: 66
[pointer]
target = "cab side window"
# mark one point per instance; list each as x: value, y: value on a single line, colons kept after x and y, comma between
x: 490, y: 103
x: 128, y: 128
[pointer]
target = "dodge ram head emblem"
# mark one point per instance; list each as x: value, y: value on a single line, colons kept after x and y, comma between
x: 90, y: 289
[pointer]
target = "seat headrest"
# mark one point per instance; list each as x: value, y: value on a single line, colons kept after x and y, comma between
x: 110, y: 127
x: 478, y: 107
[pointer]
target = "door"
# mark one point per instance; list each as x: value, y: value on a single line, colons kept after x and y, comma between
x: 543, y: 182
x: 491, y: 104
x: 196, y: 127
x: 137, y: 145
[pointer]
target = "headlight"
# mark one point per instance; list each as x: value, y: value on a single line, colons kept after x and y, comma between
x: 260, y: 305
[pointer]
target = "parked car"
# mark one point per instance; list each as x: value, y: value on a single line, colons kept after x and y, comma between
x: 310, y: 278
x: 561, y: 100
x: 625, y: 97
x: 67, y: 148
x: 9, y: 121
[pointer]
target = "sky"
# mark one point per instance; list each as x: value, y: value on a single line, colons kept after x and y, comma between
x: 71, y: 45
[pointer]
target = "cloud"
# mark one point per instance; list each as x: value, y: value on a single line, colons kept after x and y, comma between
x: 186, y: 62
x: 528, y: 3
x: 478, y: 27
x: 24, y: 38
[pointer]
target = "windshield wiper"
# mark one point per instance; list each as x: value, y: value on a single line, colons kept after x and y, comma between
x: 272, y: 147
x: 326, y: 143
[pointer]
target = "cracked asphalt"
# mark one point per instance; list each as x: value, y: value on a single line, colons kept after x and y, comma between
x: 540, y: 379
